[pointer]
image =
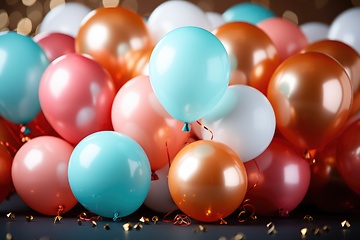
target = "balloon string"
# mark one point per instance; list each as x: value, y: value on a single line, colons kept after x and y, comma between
x: 206, y: 128
x: 83, y: 217
x: 179, y: 219
x: 247, y: 211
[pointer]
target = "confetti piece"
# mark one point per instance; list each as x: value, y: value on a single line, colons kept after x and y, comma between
x: 222, y: 238
x: 138, y: 226
x: 326, y: 228
x: 308, y: 218
x: 10, y: 215
x: 57, y: 219
x: 345, y: 224
x: 316, y: 231
x: 303, y: 232
x: 272, y: 229
x: 222, y: 221
x: 144, y: 220
x: 202, y: 228
x: 8, y: 236
x: 29, y: 218
x: 239, y: 236
x: 155, y: 219
x: 94, y: 224
x: 127, y: 226
x: 107, y: 227
x: 79, y: 222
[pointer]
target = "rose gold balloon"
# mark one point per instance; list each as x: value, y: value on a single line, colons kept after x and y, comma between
x: 348, y: 58
x: 252, y: 54
x: 311, y: 95
x: 109, y: 35
x: 207, y: 180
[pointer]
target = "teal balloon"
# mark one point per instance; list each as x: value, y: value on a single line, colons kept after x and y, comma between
x: 189, y: 72
x: 109, y: 174
x: 247, y: 12
x: 22, y: 63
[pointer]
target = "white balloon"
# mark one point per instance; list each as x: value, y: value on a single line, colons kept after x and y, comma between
x: 345, y: 28
x: 174, y: 14
x: 244, y: 120
x: 159, y: 198
x: 65, y: 18
x: 215, y: 19
x: 315, y: 31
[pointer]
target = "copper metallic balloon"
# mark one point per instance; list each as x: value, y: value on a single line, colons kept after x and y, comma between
x: 138, y: 63
x: 348, y: 57
x: 207, y: 180
x: 312, y: 97
x: 252, y: 54
x: 109, y: 35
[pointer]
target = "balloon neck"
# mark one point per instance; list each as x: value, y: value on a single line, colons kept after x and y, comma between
x: 154, y: 176
x: 186, y: 127
x: 25, y: 129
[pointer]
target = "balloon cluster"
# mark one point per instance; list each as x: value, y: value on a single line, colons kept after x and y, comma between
x: 198, y: 113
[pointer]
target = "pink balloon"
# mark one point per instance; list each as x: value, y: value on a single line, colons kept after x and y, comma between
x: 40, y: 175
x: 282, y: 178
x: 287, y: 37
x: 55, y: 44
x: 76, y: 96
x: 137, y: 112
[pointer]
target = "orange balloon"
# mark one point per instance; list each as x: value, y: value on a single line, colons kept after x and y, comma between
x: 110, y: 35
x: 252, y: 54
x: 207, y: 180
x: 5, y: 173
x: 10, y: 136
x: 138, y: 63
x: 348, y: 57
x: 311, y: 96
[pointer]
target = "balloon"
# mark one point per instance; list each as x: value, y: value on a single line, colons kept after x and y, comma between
x: 5, y: 172
x: 170, y: 15
x: 82, y: 92
x: 202, y: 186
x: 286, y: 36
x: 348, y: 156
x: 278, y: 179
x: 21, y: 66
x: 39, y: 174
x: 109, y: 174
x: 138, y: 63
x: 137, y: 113
x: 215, y: 19
x: 55, y: 44
x: 348, y: 58
x: 243, y: 120
x: 345, y: 28
x: 328, y: 191
x: 252, y: 54
x: 159, y: 199
x: 247, y: 12
x: 65, y: 18
x: 110, y: 36
x: 311, y: 96
x: 189, y: 72
x: 315, y: 31
x: 9, y: 137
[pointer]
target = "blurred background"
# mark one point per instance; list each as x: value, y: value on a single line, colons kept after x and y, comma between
x: 25, y: 16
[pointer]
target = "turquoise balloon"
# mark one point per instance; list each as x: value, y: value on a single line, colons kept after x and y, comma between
x: 109, y: 174
x: 189, y: 72
x: 22, y: 63
x: 247, y: 12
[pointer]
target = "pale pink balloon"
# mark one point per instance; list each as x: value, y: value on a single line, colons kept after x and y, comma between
x: 137, y: 112
x: 287, y: 37
x: 55, y: 44
x: 76, y: 95
x: 40, y: 175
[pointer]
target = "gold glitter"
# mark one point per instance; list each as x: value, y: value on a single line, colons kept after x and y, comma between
x: 94, y: 224
x: 127, y: 226
x: 345, y: 224
x: 308, y: 218
x: 57, y: 219
x: 272, y: 229
x: 144, y: 220
x: 155, y: 219
x: 202, y: 228
x: 10, y: 215
x: 316, y: 231
x: 138, y: 226
x: 326, y: 228
x: 304, y: 231
x: 29, y: 218
x: 239, y: 236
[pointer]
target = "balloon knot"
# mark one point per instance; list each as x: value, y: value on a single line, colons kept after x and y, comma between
x: 186, y: 127
x: 154, y: 176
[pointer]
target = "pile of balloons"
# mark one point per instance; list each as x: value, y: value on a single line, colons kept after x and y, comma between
x: 196, y: 113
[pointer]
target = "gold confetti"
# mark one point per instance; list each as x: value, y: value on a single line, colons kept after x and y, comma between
x: 127, y: 226
x: 29, y: 218
x: 202, y: 228
x: 10, y: 215
x: 94, y: 223
x: 239, y: 236
x: 138, y: 226
x: 222, y: 238
x: 272, y: 229
x: 308, y: 218
x: 79, y: 222
x: 316, y: 231
x: 223, y: 222
x: 155, y: 219
x: 8, y: 236
x: 107, y: 227
x: 345, y: 224
x: 326, y: 228
x: 144, y: 220
x: 57, y: 219
x: 303, y: 231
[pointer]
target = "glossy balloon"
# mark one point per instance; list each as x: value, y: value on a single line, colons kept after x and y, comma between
x: 344, y: 28
x: 65, y: 18
x: 138, y: 63
x: 286, y: 36
x: 247, y: 12
x: 5, y: 172
x: 170, y: 15
x: 109, y: 174
x: 22, y: 65
x: 311, y: 95
x: 215, y: 19
x: 39, y: 174
x: 278, y: 179
x: 348, y: 58
x: 315, y: 31
x: 253, y: 56
x: 137, y: 113
x: 110, y: 36
x: 55, y: 44
x: 82, y: 91
x: 203, y: 187
x: 189, y: 72
x: 243, y: 120
x: 159, y: 199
